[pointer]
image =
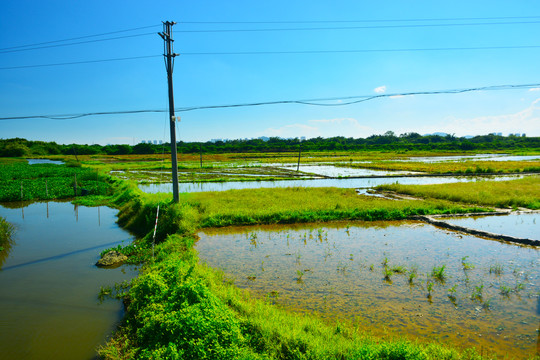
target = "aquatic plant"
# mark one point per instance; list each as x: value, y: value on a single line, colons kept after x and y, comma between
x: 505, y: 290
x: 387, y: 274
x: 398, y: 269
x: 452, y: 293
x: 477, y: 293
x: 438, y: 273
x: 466, y: 265
x: 496, y: 269
x: 429, y: 287
x: 384, y: 262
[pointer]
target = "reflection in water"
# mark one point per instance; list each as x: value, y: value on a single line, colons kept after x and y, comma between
x: 380, y: 277
x: 50, y: 285
x: 339, y: 183
x: 524, y: 225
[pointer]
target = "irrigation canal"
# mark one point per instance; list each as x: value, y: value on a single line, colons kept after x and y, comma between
x: 50, y: 285
x: 358, y: 183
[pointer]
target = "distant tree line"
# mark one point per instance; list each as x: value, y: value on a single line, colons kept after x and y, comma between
x: 18, y: 147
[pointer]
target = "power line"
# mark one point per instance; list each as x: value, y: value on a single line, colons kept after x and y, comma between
x: 517, y: 47
x: 76, y: 43
x: 361, y: 21
x: 360, y: 27
x: 337, y: 101
x: 80, y: 62
x: 361, y: 50
x: 80, y: 37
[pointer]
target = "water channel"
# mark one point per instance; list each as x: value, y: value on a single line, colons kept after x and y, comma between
x: 339, y: 183
x: 50, y: 285
x: 361, y: 273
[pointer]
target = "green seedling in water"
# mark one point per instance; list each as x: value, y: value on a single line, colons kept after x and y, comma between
x: 371, y: 267
x: 505, y: 290
x: 477, y: 292
x: 387, y: 274
x: 496, y: 269
x: 466, y: 265
x: 351, y: 257
x: 429, y: 286
x: 299, y: 275
x: 384, y: 262
x: 519, y: 287
x: 412, y: 275
x: 398, y: 269
x: 486, y: 305
x: 438, y: 273
x: 452, y: 292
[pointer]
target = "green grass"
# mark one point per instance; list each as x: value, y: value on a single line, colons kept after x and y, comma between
x: 20, y: 181
x: 295, y: 205
x: 513, y: 193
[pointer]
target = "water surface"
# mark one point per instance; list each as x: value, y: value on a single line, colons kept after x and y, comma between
x: 50, y: 286
x: 337, y: 271
x: 339, y: 183
x: 525, y: 225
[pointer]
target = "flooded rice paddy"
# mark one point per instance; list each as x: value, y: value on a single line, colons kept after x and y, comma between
x: 339, y: 183
x: 50, y: 286
x: 524, y: 225
x: 386, y: 278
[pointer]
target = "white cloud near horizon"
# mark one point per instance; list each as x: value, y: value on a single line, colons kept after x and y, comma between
x: 525, y: 121
x: 380, y: 89
x: 348, y: 127
x: 534, y: 89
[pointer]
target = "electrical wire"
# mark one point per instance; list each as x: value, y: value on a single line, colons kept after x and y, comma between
x: 360, y: 27
x: 80, y: 62
x: 361, y: 50
x: 360, y: 21
x: 80, y: 37
x: 77, y: 43
x: 517, y: 47
x: 338, y: 101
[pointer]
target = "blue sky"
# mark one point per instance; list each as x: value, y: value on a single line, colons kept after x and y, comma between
x: 216, y: 79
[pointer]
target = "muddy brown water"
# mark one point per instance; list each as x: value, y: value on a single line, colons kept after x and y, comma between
x: 337, y: 271
x: 49, y: 284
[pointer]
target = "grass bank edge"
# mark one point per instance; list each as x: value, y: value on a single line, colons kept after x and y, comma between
x: 517, y: 193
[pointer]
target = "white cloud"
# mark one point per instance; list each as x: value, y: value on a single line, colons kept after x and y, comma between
x: 524, y: 121
x: 347, y: 127
x: 380, y: 89
x: 534, y: 89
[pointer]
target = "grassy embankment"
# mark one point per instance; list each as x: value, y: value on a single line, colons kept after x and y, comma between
x: 178, y: 308
x: 515, y: 193
x: 455, y: 167
x: 6, y: 229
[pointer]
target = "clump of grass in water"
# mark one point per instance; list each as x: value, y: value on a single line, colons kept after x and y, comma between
x: 429, y: 286
x: 496, y: 269
x: 466, y: 265
x: 452, y: 293
x: 438, y: 273
x: 399, y: 269
x: 477, y: 292
x: 387, y: 274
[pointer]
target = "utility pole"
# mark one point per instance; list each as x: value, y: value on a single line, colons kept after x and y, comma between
x: 166, y: 35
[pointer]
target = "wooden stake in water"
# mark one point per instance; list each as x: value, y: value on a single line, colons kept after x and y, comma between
x: 46, y: 188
